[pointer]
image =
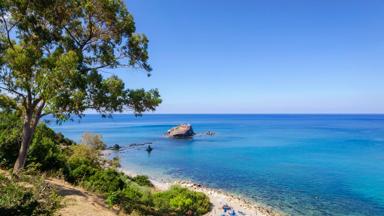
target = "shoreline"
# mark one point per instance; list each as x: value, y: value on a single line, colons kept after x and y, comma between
x: 218, y: 198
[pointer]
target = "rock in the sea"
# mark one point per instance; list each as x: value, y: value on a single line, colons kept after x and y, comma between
x: 115, y: 147
x: 149, y: 149
x: 181, y: 131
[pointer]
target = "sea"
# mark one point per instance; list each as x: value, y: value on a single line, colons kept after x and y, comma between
x: 298, y: 164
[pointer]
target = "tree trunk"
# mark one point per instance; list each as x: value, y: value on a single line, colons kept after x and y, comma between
x: 28, y: 131
x: 31, y: 120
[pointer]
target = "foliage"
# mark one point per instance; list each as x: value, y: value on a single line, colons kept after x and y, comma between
x: 181, y: 201
x: 10, y: 138
x: 142, y: 180
x: 7, y: 104
x: 106, y: 181
x: 64, y: 141
x: 115, y: 162
x: 132, y: 198
x: 93, y: 140
x: 52, y: 54
x: 45, y: 152
x: 35, y: 198
x: 82, y: 163
x: 131, y: 194
x: 175, y: 201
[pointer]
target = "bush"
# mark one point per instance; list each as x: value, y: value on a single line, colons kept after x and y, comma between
x: 115, y: 162
x: 45, y: 150
x: 93, y: 140
x: 175, y: 201
x: 10, y: 138
x: 36, y: 198
x: 135, y: 194
x: 82, y: 163
x: 106, y: 181
x: 64, y: 141
x: 133, y: 198
x: 142, y: 180
x: 181, y: 201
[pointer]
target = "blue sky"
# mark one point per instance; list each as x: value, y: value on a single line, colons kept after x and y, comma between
x: 271, y: 56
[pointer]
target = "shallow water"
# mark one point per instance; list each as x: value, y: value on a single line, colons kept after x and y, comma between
x: 301, y: 164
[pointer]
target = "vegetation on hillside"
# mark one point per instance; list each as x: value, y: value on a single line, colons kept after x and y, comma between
x: 28, y: 195
x: 81, y: 164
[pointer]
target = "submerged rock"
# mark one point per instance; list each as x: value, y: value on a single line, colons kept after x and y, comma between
x: 149, y: 149
x: 181, y: 131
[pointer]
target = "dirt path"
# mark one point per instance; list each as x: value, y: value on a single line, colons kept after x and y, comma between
x: 78, y: 202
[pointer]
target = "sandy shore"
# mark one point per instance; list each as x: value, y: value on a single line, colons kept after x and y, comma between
x: 218, y: 199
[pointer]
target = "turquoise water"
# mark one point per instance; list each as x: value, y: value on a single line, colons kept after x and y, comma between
x: 301, y: 164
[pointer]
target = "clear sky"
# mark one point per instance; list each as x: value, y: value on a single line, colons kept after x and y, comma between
x: 270, y: 56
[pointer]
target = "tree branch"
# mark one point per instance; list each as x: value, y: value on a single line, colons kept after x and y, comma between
x: 7, y: 30
x: 13, y: 91
x: 73, y: 37
x: 96, y: 68
x: 90, y: 35
x: 45, y: 114
x: 38, y: 115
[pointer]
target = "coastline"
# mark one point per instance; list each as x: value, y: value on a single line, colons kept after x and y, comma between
x: 218, y: 198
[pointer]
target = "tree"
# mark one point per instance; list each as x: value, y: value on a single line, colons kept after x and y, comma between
x: 93, y: 140
x: 53, y: 54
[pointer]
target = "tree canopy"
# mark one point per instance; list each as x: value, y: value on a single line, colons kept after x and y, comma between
x: 53, y: 57
x: 52, y: 53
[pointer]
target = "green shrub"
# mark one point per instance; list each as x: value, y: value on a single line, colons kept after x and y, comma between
x: 106, y: 181
x: 175, y: 201
x: 181, y: 201
x: 133, y: 198
x: 78, y: 170
x: 115, y: 162
x: 64, y: 141
x: 142, y: 180
x: 83, y: 162
x: 10, y: 138
x: 27, y: 198
x: 45, y: 151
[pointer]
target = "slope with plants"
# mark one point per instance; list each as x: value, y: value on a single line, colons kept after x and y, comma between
x: 83, y: 165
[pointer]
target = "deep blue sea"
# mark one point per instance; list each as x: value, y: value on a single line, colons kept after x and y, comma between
x: 300, y: 164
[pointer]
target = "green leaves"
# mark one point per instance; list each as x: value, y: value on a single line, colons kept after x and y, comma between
x: 7, y: 104
x: 31, y: 197
x: 182, y: 201
x: 141, y: 100
x: 10, y: 131
x: 56, y: 52
x: 137, y: 51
